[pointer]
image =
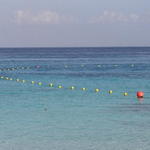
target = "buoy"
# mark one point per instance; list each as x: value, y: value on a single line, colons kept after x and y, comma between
x: 17, y: 80
x: 23, y: 81
x: 60, y: 87
x: 32, y: 82
x: 98, y: 65
x: 97, y: 90
x: 51, y: 85
x: 110, y: 91
x: 40, y: 83
x: 83, y: 89
x: 125, y: 94
x: 72, y: 87
x: 140, y: 94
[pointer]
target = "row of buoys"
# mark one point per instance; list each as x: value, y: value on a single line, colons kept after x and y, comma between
x: 98, y: 65
x: 14, y: 68
x: 66, y: 66
x: 140, y: 94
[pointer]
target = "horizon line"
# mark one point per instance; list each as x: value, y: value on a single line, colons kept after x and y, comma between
x: 76, y: 47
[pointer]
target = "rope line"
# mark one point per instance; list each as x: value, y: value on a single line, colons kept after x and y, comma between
x: 96, y: 90
x: 67, y: 66
x: 51, y: 85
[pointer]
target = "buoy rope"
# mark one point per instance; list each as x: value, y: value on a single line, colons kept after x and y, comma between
x: 67, y: 66
x: 96, y: 90
x: 58, y: 86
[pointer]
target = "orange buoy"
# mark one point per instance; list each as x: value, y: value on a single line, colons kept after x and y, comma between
x: 140, y: 94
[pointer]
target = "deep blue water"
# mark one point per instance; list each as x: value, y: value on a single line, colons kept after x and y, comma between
x: 39, y: 117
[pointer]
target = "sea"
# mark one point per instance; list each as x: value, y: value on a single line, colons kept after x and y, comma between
x: 74, y: 98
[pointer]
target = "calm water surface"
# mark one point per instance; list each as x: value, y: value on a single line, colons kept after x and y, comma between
x: 34, y: 117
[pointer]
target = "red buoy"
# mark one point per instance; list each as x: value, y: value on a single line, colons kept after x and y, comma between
x: 140, y: 94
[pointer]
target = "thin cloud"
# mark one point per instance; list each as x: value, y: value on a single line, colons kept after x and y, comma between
x: 44, y: 17
x: 113, y: 17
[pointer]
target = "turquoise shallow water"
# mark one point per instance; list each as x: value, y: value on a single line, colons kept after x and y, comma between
x: 34, y: 117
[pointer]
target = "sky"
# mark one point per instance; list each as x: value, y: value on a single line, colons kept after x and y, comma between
x: 74, y: 23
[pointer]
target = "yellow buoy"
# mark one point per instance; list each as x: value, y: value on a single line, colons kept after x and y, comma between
x: 51, y: 85
x: 2, y: 77
x: 97, y: 90
x: 32, y: 82
x: 23, y: 81
x: 10, y: 79
x: 110, y: 91
x: 7, y: 78
x: 60, y: 87
x: 83, y: 89
x: 125, y: 94
x: 40, y: 83
x: 72, y: 87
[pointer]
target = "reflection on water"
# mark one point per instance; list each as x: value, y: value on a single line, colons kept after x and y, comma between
x: 140, y: 106
x: 141, y: 100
